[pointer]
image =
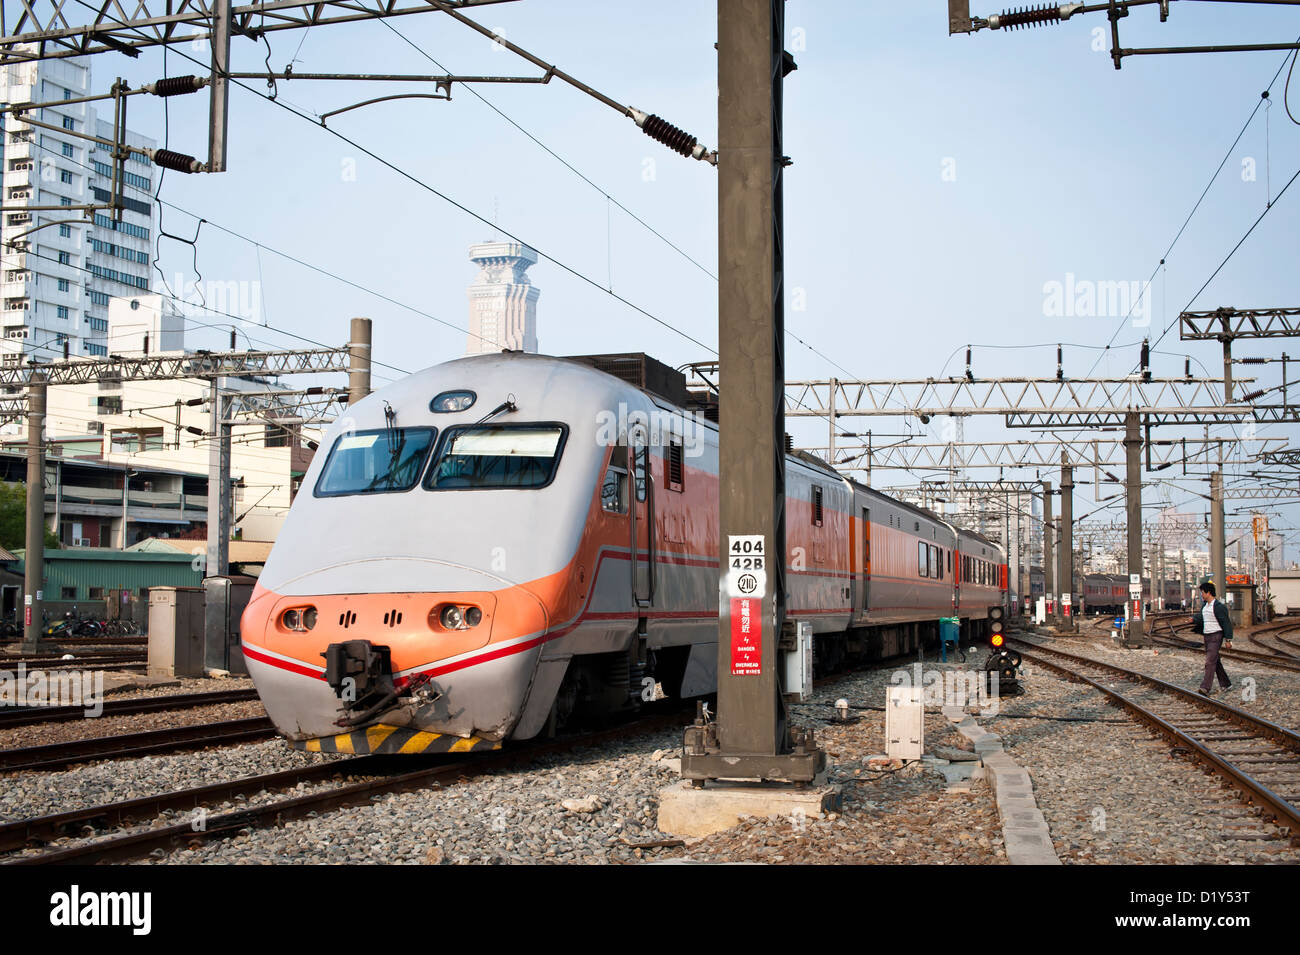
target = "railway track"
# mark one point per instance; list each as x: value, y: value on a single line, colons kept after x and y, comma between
x: 138, y: 843
x: 124, y: 640
x: 29, y: 715
x: 1258, y: 758
x: 57, y: 660
x: 1273, y: 658
x: 1282, y: 632
x: 171, y: 740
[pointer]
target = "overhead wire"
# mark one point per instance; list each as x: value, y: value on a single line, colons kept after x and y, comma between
x: 1197, y: 205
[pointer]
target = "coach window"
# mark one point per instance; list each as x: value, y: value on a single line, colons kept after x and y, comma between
x: 923, y: 561
x: 938, y: 563
x: 613, y: 489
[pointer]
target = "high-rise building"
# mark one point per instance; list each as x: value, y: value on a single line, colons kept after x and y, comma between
x: 57, y: 287
x: 502, y: 301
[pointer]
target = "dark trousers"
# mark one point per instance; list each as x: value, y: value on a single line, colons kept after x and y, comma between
x: 1213, y: 665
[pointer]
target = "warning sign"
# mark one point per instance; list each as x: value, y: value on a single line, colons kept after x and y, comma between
x: 746, y: 636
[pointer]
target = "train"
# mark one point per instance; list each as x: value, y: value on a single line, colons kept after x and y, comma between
x: 1108, y: 593
x: 500, y: 545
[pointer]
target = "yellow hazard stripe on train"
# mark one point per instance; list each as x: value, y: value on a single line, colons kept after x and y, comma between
x: 394, y: 739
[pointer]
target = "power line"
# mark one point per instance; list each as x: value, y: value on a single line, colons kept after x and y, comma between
x: 1240, y: 241
x: 564, y: 162
x: 415, y: 180
x: 173, y: 297
x: 1226, y: 156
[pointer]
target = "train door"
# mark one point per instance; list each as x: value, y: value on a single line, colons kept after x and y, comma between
x: 641, y: 511
x: 864, y: 586
x: 957, y: 579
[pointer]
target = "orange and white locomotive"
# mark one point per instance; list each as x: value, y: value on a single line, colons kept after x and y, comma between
x: 497, y: 543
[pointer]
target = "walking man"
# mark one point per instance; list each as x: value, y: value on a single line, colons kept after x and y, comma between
x: 1215, y: 624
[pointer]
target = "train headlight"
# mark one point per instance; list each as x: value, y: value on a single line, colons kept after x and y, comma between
x: 299, y: 619
x: 456, y: 616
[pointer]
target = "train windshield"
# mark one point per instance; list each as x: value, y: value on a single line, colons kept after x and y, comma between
x: 497, y: 456
x: 366, y: 462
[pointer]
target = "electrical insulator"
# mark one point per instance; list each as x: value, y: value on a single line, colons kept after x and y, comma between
x: 1253, y: 361
x: 1060, y: 371
x: 1146, y: 360
x: 1033, y: 16
x: 234, y: 345
x: 176, y: 161
x: 177, y: 85
x: 1253, y: 395
x: 969, y: 376
x: 193, y: 430
x: 1187, y: 367
x: 678, y: 140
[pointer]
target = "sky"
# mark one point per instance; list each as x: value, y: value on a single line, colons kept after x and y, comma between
x: 940, y: 185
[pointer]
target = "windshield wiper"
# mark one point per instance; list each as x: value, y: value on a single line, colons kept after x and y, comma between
x: 506, y: 406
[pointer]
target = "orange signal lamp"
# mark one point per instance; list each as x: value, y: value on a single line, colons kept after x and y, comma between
x: 997, y: 640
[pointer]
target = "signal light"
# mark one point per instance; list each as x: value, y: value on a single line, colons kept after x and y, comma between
x: 998, y: 640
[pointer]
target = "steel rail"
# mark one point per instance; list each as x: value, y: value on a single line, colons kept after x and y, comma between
x: 171, y: 740
x: 133, y: 845
x: 1283, y: 812
x: 22, y: 832
x: 29, y: 715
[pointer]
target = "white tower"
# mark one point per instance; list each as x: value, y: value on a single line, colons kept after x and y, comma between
x: 502, y: 301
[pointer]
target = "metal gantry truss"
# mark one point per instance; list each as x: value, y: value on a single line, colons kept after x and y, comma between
x: 1108, y: 534
x: 288, y: 409
x: 49, y: 29
x: 1286, y: 458
x: 1022, y: 402
x: 204, y: 365
x: 855, y: 453
x: 1228, y: 322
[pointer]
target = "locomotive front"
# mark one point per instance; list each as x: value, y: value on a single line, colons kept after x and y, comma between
x: 426, y: 560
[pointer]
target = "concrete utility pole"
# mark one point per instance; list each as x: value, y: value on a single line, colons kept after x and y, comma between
x: 1218, y: 557
x: 750, y: 738
x: 220, y: 506
x: 359, y: 360
x: 1066, y: 574
x: 34, y: 559
x: 220, y: 517
x: 1049, y: 550
x: 1161, y: 572
x: 1182, y: 577
x: 1133, y: 491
